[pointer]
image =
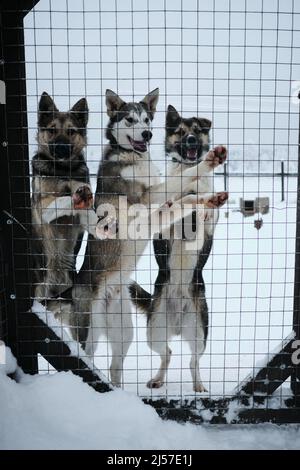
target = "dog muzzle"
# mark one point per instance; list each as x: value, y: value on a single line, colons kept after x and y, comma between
x: 61, y: 150
x: 193, y: 148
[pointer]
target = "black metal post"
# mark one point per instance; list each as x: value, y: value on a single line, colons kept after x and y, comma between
x: 295, y: 378
x: 282, y: 181
x: 15, y: 186
x: 225, y: 177
x: 4, y: 190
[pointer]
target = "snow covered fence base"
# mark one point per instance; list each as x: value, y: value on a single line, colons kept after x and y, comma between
x: 63, y: 353
x: 253, y: 401
x: 251, y: 404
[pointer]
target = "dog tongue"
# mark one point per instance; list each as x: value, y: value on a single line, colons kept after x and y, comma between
x: 139, y: 145
x: 191, y: 154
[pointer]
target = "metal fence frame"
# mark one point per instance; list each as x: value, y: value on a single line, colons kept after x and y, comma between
x: 27, y: 335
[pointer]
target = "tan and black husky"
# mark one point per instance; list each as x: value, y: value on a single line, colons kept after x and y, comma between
x: 60, y: 178
x: 178, y: 305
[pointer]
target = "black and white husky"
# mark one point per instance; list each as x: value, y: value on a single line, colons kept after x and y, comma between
x: 178, y: 305
x: 100, y: 297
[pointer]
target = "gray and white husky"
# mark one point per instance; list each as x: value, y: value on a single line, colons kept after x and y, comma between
x: 100, y: 297
x: 178, y: 305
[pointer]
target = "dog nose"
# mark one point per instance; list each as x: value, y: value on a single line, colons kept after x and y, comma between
x: 147, y: 135
x: 61, y: 149
x: 191, y: 140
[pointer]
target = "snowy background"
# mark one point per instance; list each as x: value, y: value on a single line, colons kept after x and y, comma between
x: 235, y: 62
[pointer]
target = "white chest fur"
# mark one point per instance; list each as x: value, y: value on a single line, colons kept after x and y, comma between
x: 185, y: 254
x: 142, y: 171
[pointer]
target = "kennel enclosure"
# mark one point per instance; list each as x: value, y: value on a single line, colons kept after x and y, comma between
x: 24, y: 331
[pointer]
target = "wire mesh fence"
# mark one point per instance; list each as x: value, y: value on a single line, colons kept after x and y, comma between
x: 234, y: 66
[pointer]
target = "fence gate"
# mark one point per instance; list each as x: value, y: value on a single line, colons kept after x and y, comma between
x: 234, y: 62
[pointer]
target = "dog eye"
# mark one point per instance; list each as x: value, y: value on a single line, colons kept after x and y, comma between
x: 196, y: 130
x: 147, y: 120
x: 72, y: 131
x: 51, y: 130
x: 129, y: 120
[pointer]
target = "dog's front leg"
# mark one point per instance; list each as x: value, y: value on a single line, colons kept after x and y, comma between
x: 78, y: 204
x: 191, y: 177
x: 59, y: 207
x: 81, y: 198
x: 171, y: 212
x: 187, y: 181
x: 211, y: 160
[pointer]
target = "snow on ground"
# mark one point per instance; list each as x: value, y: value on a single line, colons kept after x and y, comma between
x: 59, y: 411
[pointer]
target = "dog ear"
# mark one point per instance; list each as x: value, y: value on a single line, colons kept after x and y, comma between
x: 151, y: 101
x: 204, y: 123
x: 47, y: 110
x: 113, y: 102
x: 172, y: 117
x: 80, y: 111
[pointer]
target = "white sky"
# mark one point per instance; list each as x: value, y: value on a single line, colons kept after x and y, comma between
x: 234, y: 61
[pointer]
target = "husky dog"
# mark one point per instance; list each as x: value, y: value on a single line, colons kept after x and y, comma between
x: 101, y: 300
x: 178, y: 305
x: 60, y: 177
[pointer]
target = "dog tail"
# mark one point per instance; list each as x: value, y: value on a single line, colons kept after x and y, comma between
x: 140, y: 297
